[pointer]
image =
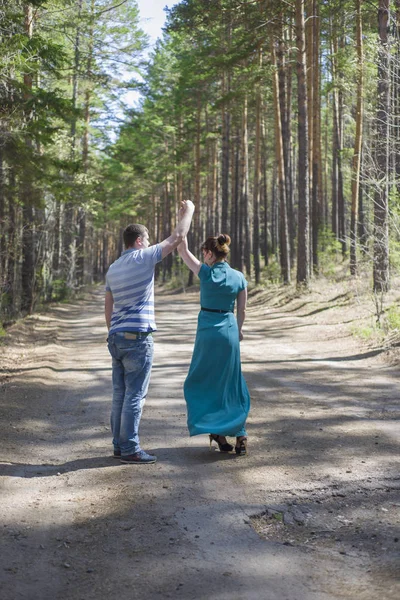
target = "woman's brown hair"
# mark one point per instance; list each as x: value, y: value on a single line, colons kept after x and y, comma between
x: 218, y: 245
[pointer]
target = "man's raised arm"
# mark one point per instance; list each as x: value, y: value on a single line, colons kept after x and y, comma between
x: 184, y: 219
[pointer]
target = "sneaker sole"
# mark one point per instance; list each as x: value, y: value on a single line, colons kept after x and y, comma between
x: 138, y: 462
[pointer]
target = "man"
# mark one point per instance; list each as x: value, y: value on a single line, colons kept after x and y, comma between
x: 129, y: 313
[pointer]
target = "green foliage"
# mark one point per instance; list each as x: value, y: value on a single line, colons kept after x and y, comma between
x: 367, y: 332
x: 378, y: 329
x: 329, y: 253
x: 392, y: 318
x: 394, y: 237
x: 394, y: 255
x: 60, y: 290
x: 61, y: 89
x: 6, y: 308
x: 278, y: 516
x: 272, y: 271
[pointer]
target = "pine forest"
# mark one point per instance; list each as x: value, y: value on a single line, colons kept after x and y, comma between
x: 280, y: 120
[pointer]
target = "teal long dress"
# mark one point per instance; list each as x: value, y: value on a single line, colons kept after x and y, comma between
x: 216, y: 393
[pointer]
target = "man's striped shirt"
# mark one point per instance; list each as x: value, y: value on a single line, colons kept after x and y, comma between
x: 130, y: 279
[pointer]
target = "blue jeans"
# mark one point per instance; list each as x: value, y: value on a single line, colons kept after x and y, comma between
x: 131, y: 367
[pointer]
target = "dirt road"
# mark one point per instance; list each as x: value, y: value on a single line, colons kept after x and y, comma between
x: 313, y: 512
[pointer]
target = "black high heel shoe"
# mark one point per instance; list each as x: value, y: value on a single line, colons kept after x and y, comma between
x: 222, y: 447
x: 241, y: 447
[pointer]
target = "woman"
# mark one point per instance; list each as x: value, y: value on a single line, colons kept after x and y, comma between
x: 216, y: 393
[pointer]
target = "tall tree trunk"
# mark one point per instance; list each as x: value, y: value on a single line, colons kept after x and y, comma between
x: 257, y: 179
x: 3, y: 228
x: 210, y: 157
x: 288, y: 148
x: 309, y: 55
x: 381, y: 281
x: 214, y: 193
x: 396, y: 105
x: 341, y: 197
x: 303, y: 244
x: 12, y: 246
x: 316, y: 177
x: 80, y: 251
x: 68, y: 230
x: 284, y: 232
x: 57, y: 240
x: 362, y: 229
x: 338, y: 203
x: 264, y: 195
x: 27, y: 194
x: 355, y: 184
x: 225, y: 170
x: 105, y: 263
x: 234, y: 228
x: 196, y: 230
x: 167, y: 262
x: 28, y: 257
x: 334, y: 175
x: 244, y: 241
x: 82, y: 216
x: 274, y: 211
x: 326, y: 167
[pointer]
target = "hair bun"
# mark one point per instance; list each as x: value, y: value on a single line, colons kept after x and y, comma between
x: 224, y: 238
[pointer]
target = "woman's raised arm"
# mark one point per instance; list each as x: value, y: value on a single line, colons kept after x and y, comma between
x: 188, y: 258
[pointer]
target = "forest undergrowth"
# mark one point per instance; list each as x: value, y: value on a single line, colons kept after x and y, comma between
x: 372, y: 318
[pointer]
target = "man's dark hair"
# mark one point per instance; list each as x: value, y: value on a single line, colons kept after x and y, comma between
x: 131, y: 234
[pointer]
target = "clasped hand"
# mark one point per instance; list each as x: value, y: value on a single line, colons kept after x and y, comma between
x: 186, y: 206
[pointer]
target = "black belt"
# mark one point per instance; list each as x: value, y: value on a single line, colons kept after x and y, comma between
x: 133, y: 335
x: 216, y: 310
